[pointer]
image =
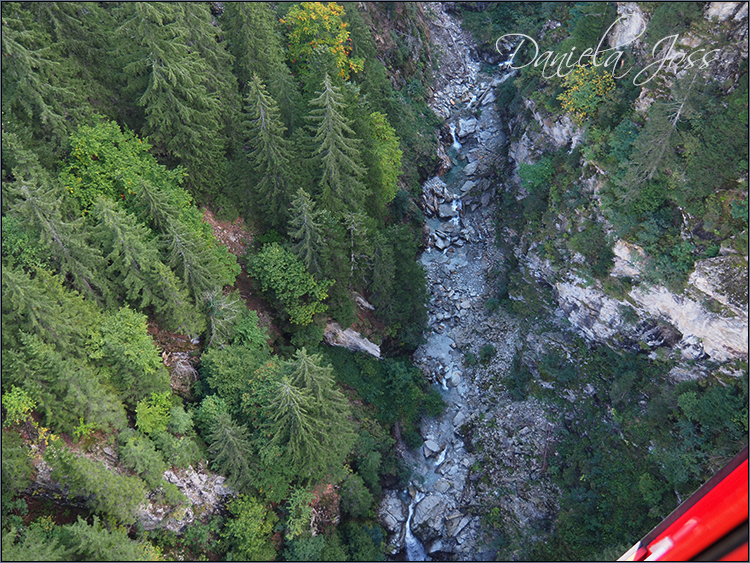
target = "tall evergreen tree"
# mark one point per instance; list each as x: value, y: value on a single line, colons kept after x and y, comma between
x: 130, y: 251
x: 40, y: 206
x: 308, y: 419
x: 341, y: 186
x: 306, y: 372
x: 358, y: 231
x: 231, y: 450
x: 176, y: 73
x: 306, y: 229
x: 256, y: 46
x: 270, y: 154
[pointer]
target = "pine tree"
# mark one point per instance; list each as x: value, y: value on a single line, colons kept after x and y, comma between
x: 341, y: 186
x: 306, y: 230
x: 270, y: 154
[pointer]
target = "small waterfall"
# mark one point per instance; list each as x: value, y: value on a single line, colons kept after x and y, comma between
x: 457, y: 205
x: 414, y: 548
x: 456, y: 145
x: 441, y: 457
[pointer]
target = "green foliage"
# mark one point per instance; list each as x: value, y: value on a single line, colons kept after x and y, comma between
x: 363, y: 542
x: 175, y: 67
x: 536, y: 177
x: 231, y: 450
x: 34, y: 544
x: 306, y: 548
x: 284, y: 277
x: 211, y: 406
x: 227, y: 370
x: 340, y: 186
x: 270, y: 155
x: 110, y: 494
x: 180, y: 422
x: 396, y: 388
x: 137, y: 452
x: 308, y: 420
x: 305, y: 228
x: 384, y: 163
x: 18, y: 406
x: 96, y: 542
x: 178, y: 452
x: 16, y: 470
x: 248, y: 531
x: 591, y: 242
x: 300, y: 512
x: 152, y: 414
x: 356, y: 499
x: 136, y: 367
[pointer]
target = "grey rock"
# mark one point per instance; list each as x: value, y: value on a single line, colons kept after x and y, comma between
x: 392, y: 512
x: 431, y: 448
x: 459, y: 419
x: 446, y: 211
x: 468, y: 185
x: 441, y: 243
x: 466, y: 126
x: 471, y: 168
x: 441, y: 486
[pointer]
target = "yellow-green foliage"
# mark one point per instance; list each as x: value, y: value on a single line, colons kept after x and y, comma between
x: 152, y: 415
x: 18, y: 405
x: 585, y: 88
x: 315, y: 26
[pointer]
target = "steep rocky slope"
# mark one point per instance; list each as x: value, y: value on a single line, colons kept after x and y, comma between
x: 486, y: 442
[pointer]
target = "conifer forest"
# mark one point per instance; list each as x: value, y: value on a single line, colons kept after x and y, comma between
x: 367, y: 281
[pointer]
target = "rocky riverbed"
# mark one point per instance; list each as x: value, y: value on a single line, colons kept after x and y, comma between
x: 460, y: 252
x: 487, y: 450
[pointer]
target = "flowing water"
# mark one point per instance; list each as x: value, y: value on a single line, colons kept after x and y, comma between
x: 414, y: 548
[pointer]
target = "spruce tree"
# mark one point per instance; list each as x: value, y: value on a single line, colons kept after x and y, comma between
x: 40, y: 206
x: 129, y: 249
x: 306, y: 230
x: 231, y: 450
x: 308, y: 419
x: 177, y: 76
x: 330, y: 404
x: 257, y: 49
x: 341, y: 186
x: 293, y: 428
x: 270, y: 154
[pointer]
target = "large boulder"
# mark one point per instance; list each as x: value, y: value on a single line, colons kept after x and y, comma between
x: 427, y: 521
x: 349, y: 339
x: 466, y: 126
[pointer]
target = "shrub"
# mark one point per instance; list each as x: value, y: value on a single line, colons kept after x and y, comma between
x: 137, y: 452
x: 486, y: 353
x: 152, y: 415
x: 18, y: 405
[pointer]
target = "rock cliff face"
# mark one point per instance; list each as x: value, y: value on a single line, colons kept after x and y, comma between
x: 482, y: 427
